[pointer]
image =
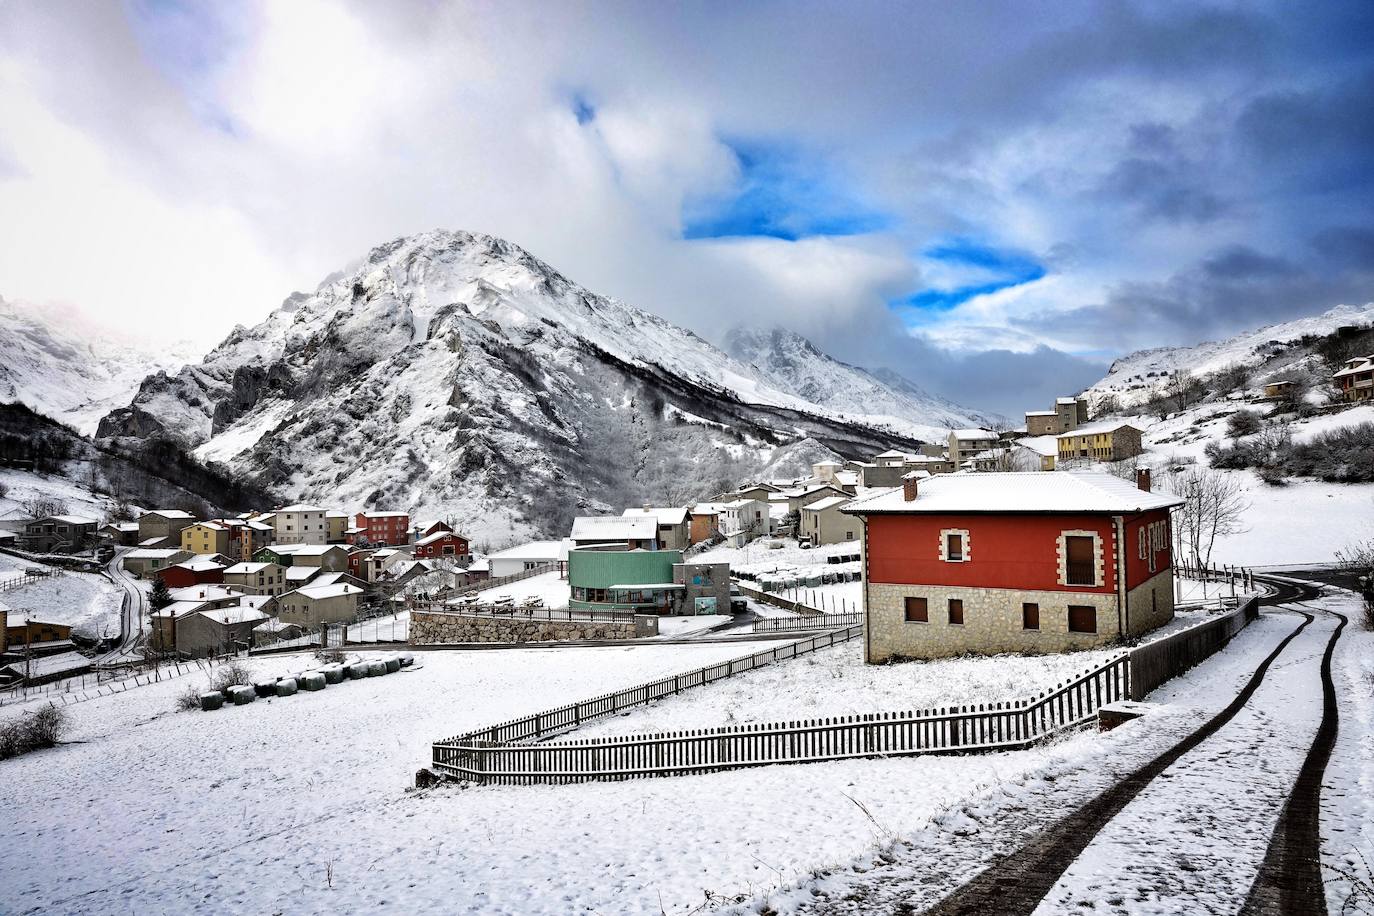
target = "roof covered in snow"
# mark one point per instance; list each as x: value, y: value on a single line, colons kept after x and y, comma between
x: 829, y: 502
x: 534, y: 550
x: 1047, y: 446
x: 229, y: 615
x: 665, y: 516
x: 246, y: 569
x: 1102, y: 426
x: 614, y: 528
x: 1037, y: 492
x: 319, y: 592
x: 973, y: 434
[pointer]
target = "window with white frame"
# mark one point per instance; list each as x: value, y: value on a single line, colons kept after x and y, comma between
x: 955, y: 546
x: 1080, y: 559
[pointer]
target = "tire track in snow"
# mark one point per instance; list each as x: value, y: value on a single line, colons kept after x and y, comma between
x: 1290, y: 878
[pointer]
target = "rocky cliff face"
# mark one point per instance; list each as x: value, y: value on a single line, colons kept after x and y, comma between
x: 454, y: 374
x: 797, y: 366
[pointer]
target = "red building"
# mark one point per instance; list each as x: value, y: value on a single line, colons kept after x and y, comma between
x: 988, y: 563
x: 380, y: 529
x: 200, y: 571
x: 441, y: 544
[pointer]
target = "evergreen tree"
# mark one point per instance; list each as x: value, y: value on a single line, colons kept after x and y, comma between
x: 160, y: 597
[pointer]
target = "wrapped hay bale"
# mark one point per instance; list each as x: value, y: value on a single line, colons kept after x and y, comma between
x: 393, y: 664
x: 265, y: 688
x: 357, y: 670
x: 286, y: 687
x: 313, y: 680
x: 212, y: 700
x: 333, y: 674
x: 376, y: 669
x: 241, y: 696
x: 407, y: 660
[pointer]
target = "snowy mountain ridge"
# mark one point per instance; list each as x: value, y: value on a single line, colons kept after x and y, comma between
x: 1134, y: 378
x: 454, y: 374
x: 796, y: 365
x: 58, y: 365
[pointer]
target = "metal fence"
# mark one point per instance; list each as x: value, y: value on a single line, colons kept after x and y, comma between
x: 485, y: 584
x: 1156, y: 662
x: 496, y: 756
x: 822, y: 622
x: 516, y: 612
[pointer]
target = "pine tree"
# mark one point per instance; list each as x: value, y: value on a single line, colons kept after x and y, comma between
x: 160, y: 597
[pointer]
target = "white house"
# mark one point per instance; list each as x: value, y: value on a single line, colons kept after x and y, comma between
x: 744, y: 520
x: 301, y: 524
x: 634, y: 532
x: 524, y: 557
x: 673, y: 525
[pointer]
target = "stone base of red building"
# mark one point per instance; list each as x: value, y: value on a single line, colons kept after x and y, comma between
x: 993, y: 619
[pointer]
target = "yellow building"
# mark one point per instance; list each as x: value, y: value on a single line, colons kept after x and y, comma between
x: 1110, y: 440
x: 205, y: 538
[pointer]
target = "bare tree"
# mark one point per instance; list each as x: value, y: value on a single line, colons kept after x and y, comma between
x: 43, y: 506
x: 1184, y: 389
x: 1214, y: 506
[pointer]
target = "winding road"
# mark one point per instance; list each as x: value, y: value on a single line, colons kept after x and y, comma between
x: 1223, y: 820
x: 131, y: 629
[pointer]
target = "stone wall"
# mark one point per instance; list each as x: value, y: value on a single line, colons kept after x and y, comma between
x: 428, y: 628
x: 992, y: 622
x: 1151, y: 604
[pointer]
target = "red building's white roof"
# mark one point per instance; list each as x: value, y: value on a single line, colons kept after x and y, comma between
x: 1039, y: 491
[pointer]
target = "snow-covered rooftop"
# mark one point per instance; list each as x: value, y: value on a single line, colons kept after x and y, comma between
x: 228, y: 615
x: 336, y: 590
x: 153, y: 553
x: 383, y: 514
x: 1356, y: 366
x: 1047, y: 446
x: 614, y: 528
x: 973, y: 434
x: 665, y: 515
x: 303, y: 550
x: 170, y: 513
x: 534, y: 550
x: 1101, y: 426
x: 208, y: 592
x: 302, y: 507
x: 1044, y: 491
x: 829, y: 502
x: 242, y: 569
x: 436, y: 536
x: 48, y: 665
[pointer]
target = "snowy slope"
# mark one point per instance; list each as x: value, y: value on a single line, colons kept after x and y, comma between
x: 452, y: 373
x: 1134, y: 378
x: 63, y: 368
x: 795, y: 365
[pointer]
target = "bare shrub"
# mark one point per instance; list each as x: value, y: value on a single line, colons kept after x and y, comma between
x: 189, y: 699
x: 333, y: 656
x: 233, y: 673
x: 1243, y: 423
x: 33, y: 731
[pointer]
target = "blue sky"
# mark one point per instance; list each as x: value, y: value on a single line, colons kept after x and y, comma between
x: 994, y: 204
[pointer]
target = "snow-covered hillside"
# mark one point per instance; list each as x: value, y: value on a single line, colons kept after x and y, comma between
x: 59, y: 366
x: 1133, y: 379
x: 455, y: 374
x: 795, y: 365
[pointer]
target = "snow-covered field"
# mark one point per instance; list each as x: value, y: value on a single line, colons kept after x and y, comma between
x: 21, y: 486
x: 298, y: 804
x: 552, y: 588
x: 88, y: 602
x: 1304, y: 522
x: 836, y: 682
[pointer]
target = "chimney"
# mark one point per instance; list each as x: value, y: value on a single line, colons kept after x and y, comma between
x: 909, y: 486
x: 647, y: 507
x: 1142, y: 478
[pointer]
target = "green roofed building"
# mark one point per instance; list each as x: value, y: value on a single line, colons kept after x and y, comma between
x: 627, y: 580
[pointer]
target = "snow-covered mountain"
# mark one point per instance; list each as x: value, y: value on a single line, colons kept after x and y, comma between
x: 1133, y: 379
x: 454, y: 374
x: 56, y: 364
x: 795, y: 365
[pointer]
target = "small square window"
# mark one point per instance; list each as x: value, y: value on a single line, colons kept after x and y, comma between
x: 1082, y: 618
x: 916, y: 610
x: 956, y: 612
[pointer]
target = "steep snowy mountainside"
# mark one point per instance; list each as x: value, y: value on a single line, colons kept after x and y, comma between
x: 61, y: 367
x: 1133, y: 379
x: 455, y: 374
x: 795, y: 365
